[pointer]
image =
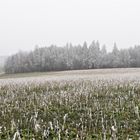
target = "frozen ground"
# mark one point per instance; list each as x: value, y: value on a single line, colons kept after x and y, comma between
x: 112, y: 75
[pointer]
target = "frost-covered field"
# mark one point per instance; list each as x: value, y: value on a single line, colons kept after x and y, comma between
x: 73, y: 105
x: 122, y: 75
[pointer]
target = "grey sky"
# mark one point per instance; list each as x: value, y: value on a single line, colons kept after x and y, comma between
x: 25, y: 23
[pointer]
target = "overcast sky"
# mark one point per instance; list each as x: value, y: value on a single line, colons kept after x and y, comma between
x: 25, y: 23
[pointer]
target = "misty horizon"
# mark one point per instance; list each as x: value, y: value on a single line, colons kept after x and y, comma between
x: 27, y: 23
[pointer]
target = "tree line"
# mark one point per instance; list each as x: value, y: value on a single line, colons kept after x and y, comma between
x: 71, y: 57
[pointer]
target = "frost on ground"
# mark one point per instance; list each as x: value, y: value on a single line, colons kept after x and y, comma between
x: 120, y: 75
x: 74, y: 105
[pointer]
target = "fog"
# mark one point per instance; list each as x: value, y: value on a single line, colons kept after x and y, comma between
x: 26, y: 23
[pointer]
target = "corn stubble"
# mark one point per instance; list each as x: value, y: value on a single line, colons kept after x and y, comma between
x: 106, y: 109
